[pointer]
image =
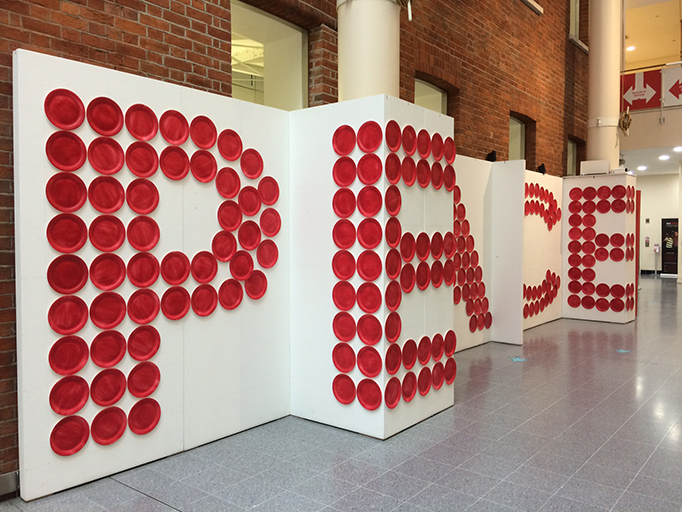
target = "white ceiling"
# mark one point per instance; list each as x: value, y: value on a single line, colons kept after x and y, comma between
x: 649, y: 157
x: 653, y: 28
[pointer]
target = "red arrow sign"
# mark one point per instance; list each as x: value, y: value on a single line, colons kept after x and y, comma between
x: 676, y: 90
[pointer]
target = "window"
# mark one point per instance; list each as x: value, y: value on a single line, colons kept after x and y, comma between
x: 517, y: 139
x: 431, y: 97
x: 269, y: 60
x: 575, y: 30
x: 572, y: 159
x: 537, y: 9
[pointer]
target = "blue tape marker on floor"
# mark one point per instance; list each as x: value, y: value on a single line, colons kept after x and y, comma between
x: 621, y: 351
x: 517, y: 359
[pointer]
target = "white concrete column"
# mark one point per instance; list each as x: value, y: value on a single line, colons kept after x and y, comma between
x: 603, y: 99
x: 679, y: 216
x: 369, y: 48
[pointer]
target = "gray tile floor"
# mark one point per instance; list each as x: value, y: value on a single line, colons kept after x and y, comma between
x: 577, y: 427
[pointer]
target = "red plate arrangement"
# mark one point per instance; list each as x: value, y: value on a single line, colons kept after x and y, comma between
x: 409, y: 171
x: 270, y: 222
x: 407, y: 278
x: 369, y: 169
x: 204, y: 267
x: 451, y: 369
x: 143, y: 269
x: 589, y: 193
x: 343, y: 357
x: 423, y: 275
x: 69, y: 395
x: 437, y: 146
x: 393, y: 232
x: 143, y: 233
x: 343, y: 265
x: 241, y: 265
x: 423, y: 173
x: 144, y: 416
x: 107, y: 349
x: 143, y: 379
x: 344, y: 234
x: 69, y: 436
x: 424, y: 143
x: 109, y: 425
x: 107, y: 310
x: 106, y: 194
x: 423, y: 246
x: 343, y: 388
x: 228, y: 183
x: 66, y: 151
x: 369, y: 297
x: 394, y: 326
x: 392, y: 168
x: 256, y: 285
x: 393, y: 135
x: 343, y: 326
x: 370, y: 201
x: 251, y: 163
x: 249, y: 201
x: 618, y: 206
x: 64, y: 109
x: 141, y: 122
x: 369, y: 137
x: 268, y: 190
x: 424, y: 381
x: 617, y: 239
x: 141, y: 159
x: 369, y: 330
x: 230, y: 145
x: 143, y: 343
x: 409, y: 140
x: 409, y: 354
x: 174, y: 163
x: 142, y: 196
x: 229, y: 215
x: 343, y: 295
x: 449, y: 150
x: 393, y: 359
x: 369, y: 265
x: 267, y: 254
x: 67, y: 274
x: 437, y: 175
x: 343, y: 203
x: 66, y: 192
x: 108, y: 387
x: 617, y: 305
x: 105, y: 116
x: 68, y: 355
x: 369, y: 394
x: 344, y: 171
x: 392, y: 393
x: 617, y: 254
x: 369, y: 362
x: 343, y: 140
x: 143, y: 306
x: 174, y: 127
x: 204, y: 300
x: 394, y: 263
x: 230, y: 294
x: 450, y: 343
x: 175, y: 268
x: 408, y: 246
x: 437, y: 376
x: 619, y: 192
x: 203, y: 132
x: 107, y: 233
x: 67, y: 315
x: 203, y: 166
x: 409, y: 386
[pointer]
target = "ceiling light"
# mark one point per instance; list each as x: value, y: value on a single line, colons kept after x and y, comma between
x: 664, y: 157
x: 630, y: 48
x: 641, y: 168
x: 678, y: 149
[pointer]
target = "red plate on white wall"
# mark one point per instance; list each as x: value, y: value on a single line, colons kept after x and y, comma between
x: 142, y: 196
x: 67, y: 274
x: 392, y: 393
x: 393, y: 135
x: 174, y: 163
x: 107, y: 310
x: 175, y: 303
x: 141, y: 122
x: 230, y: 294
x: 109, y: 425
x: 203, y: 132
x: 107, y: 233
x: 267, y: 254
x: 107, y: 349
x: 106, y: 194
x: 343, y: 140
x: 174, y: 127
x: 69, y: 395
x: 204, y: 300
x: 69, y: 436
x: 343, y: 295
x: 369, y: 394
x: 251, y: 163
x: 369, y: 361
x: 343, y: 388
x: 343, y: 357
x: 67, y: 315
x: 68, y: 355
x: 143, y: 343
x: 64, y: 109
x: 142, y: 159
x: 143, y: 306
x: 230, y: 145
x: 66, y: 192
x: 369, y: 136
x: 143, y: 379
x: 344, y: 171
x: 66, y: 151
x: 105, y: 116
x: 344, y: 326
x: 108, y: 387
x: 144, y: 416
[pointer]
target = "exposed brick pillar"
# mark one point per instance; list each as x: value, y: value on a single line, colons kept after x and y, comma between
x: 322, y: 66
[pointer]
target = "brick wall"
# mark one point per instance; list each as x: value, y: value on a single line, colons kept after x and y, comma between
x: 493, y: 57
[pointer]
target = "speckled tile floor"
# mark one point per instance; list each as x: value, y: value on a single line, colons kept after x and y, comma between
x: 578, y: 426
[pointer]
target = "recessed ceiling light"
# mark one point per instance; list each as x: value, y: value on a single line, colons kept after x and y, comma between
x: 678, y: 149
x: 664, y: 157
x: 641, y: 168
x: 630, y: 48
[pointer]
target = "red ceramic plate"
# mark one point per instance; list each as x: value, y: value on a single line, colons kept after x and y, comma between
x: 369, y: 330
x: 267, y: 254
x: 105, y: 116
x: 575, y: 220
x: 175, y: 302
x: 424, y: 350
x: 142, y: 196
x: 574, y: 287
x: 393, y: 264
x: 437, y: 376
x: 588, y: 260
x: 437, y: 175
x: 424, y: 381
x: 409, y: 140
x: 409, y: 171
x: 392, y: 393
x: 370, y: 201
x: 450, y: 343
x: 449, y: 150
x: 270, y: 222
x: 617, y: 239
x: 268, y: 190
x: 343, y: 140
x: 409, y: 386
x: 251, y: 163
x: 589, y: 274
x: 68, y: 355
x: 249, y: 235
x: 589, y: 234
x: 143, y: 379
x: 369, y: 137
x: 589, y: 207
x: 141, y: 122
x: 408, y: 246
x: 393, y: 327
x: 66, y: 151
x: 107, y: 233
x: 109, y: 425
x: 619, y: 192
x: 369, y: 394
x: 343, y: 265
x: 69, y: 395
x: 602, y: 305
x: 589, y: 220
x: 437, y: 274
x: 423, y: 275
x: 343, y: 357
x: 617, y: 254
x: 343, y: 326
x: 574, y: 247
x: 69, y: 436
x: 203, y: 132
x: 617, y: 305
x: 66, y: 192
x: 175, y: 268
x: 106, y: 194
x: 249, y: 201
x: 575, y: 207
x: 174, y: 163
x: 143, y: 343
x: 143, y: 306
x: 369, y: 362
x: 393, y: 135
x: 407, y: 278
x: 618, y: 290
x: 344, y: 171
x: 369, y: 297
x: 144, y: 416
x: 369, y: 265
x: 343, y: 388
x: 204, y: 267
x: 573, y: 301
x: 107, y: 349
x: 393, y: 232
x: 449, y: 178
x: 423, y: 173
x: 576, y: 193
x: 603, y: 206
x: 343, y: 295
x: 141, y: 159
x: 343, y: 203
x: 409, y: 354
x: 424, y: 143
x: 369, y: 169
x: 423, y: 246
x: 450, y: 370
x: 618, y: 206
x: 230, y: 294
x: 393, y: 359
x: 344, y: 234
x: 256, y: 285
x: 67, y: 274
x: 107, y: 310
x: 143, y: 233
x: 67, y: 315
x: 174, y: 127
x: 229, y: 215
x: 589, y: 193
x: 204, y: 300
x: 203, y: 166
x: 64, y: 109
x: 241, y: 265
x: 228, y: 183
x: 143, y: 269
x: 588, y: 288
x: 230, y: 145
x: 437, y: 146
x: 604, y: 192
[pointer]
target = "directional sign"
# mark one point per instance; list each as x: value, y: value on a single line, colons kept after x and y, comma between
x: 672, y: 86
x: 641, y: 90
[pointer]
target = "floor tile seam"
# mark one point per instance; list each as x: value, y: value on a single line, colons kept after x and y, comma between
x: 313, y: 499
x: 518, y: 485
x: 643, y: 496
x: 156, y: 499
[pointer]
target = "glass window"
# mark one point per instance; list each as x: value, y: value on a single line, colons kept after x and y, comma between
x: 572, y: 159
x: 517, y: 139
x: 429, y: 96
x: 575, y: 19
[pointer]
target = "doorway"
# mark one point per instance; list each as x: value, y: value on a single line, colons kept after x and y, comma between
x: 669, y: 237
